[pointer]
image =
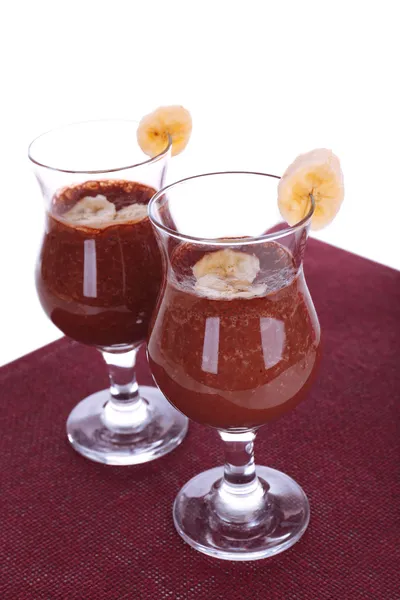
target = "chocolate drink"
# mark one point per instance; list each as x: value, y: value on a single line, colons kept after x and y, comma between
x: 98, y: 283
x: 239, y: 362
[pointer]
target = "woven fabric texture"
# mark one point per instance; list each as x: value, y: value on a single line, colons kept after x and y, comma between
x: 76, y: 530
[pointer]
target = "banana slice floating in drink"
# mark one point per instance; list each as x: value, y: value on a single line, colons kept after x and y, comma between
x: 318, y: 173
x: 91, y: 211
x: 153, y: 130
x: 133, y: 212
x: 227, y: 274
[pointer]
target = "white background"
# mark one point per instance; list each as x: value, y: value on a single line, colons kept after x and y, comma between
x: 263, y: 80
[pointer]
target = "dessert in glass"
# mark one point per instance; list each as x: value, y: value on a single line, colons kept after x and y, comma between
x: 98, y: 277
x: 234, y: 343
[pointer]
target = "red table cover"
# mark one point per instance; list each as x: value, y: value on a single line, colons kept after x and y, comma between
x: 73, y: 529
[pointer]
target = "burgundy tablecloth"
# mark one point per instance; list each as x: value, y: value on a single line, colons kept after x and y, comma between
x: 76, y: 530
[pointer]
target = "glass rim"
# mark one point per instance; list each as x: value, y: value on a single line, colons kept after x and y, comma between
x: 234, y: 241
x: 97, y: 171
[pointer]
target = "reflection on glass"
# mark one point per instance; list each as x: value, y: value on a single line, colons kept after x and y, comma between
x: 211, y: 345
x: 272, y: 340
x: 89, y: 269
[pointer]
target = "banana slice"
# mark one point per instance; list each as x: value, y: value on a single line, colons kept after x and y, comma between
x: 133, y: 212
x: 318, y: 173
x: 91, y: 211
x: 227, y: 274
x: 153, y: 130
x: 228, y: 264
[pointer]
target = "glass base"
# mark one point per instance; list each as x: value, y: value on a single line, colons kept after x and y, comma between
x: 162, y: 430
x: 274, y: 525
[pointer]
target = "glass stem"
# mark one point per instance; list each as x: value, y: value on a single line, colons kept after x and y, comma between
x: 239, y: 469
x: 126, y: 410
x: 239, y: 496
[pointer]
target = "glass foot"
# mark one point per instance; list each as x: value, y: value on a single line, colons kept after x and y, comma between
x: 231, y: 528
x: 161, y: 429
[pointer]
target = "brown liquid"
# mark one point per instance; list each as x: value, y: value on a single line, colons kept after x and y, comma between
x: 235, y: 363
x: 99, y: 285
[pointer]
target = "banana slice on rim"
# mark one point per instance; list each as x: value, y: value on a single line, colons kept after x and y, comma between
x: 133, y: 212
x: 318, y: 173
x: 227, y: 274
x: 153, y: 130
x: 91, y: 211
